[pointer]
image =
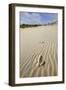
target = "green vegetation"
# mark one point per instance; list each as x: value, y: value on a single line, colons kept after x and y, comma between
x: 27, y: 25
x: 35, y: 25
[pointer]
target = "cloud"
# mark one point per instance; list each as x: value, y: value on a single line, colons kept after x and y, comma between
x: 36, y: 18
x: 30, y: 18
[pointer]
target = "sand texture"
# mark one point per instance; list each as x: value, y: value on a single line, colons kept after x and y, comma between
x: 38, y: 51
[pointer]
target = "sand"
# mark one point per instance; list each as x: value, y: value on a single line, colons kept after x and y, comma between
x: 38, y: 51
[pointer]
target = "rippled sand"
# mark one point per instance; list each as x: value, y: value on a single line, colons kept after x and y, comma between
x: 38, y: 51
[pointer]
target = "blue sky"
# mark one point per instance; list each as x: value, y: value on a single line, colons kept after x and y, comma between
x: 37, y: 18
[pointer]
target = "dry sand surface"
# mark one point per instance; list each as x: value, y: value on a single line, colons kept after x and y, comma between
x: 38, y: 51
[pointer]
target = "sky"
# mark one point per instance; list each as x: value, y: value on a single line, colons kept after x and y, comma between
x: 37, y: 18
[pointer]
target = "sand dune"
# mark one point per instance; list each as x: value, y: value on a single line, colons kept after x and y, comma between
x: 38, y: 51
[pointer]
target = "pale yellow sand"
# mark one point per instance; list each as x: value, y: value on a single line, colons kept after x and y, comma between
x: 34, y: 43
